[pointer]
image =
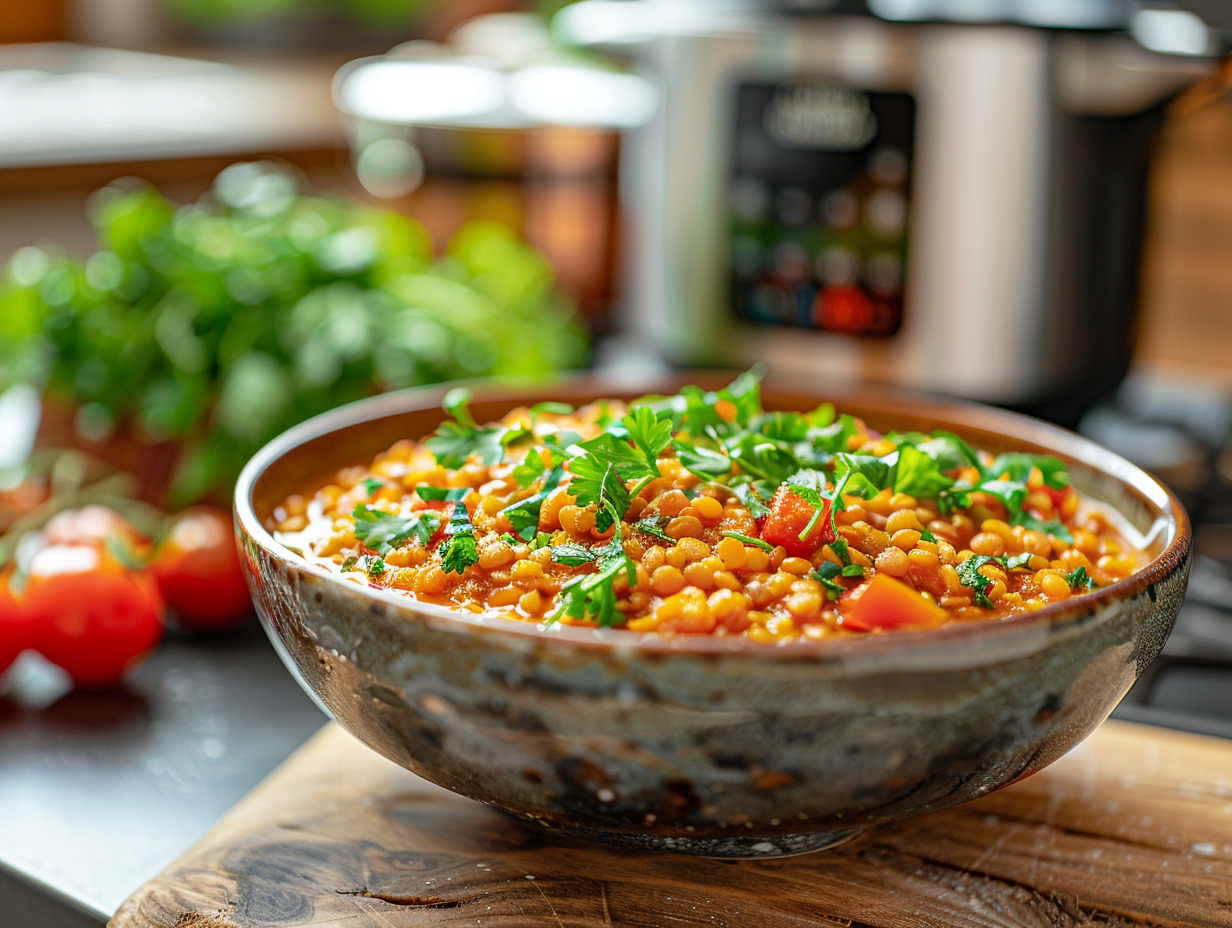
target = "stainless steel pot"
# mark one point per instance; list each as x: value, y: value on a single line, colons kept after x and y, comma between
x: 875, y: 192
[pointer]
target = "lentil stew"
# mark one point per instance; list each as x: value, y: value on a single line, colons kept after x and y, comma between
x: 702, y: 513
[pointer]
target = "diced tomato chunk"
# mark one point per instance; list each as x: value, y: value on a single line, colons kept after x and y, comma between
x: 886, y: 603
x: 790, y: 514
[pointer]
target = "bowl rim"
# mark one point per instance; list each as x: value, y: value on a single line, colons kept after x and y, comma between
x: 962, y: 414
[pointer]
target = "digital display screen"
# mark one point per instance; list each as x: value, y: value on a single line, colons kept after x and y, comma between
x: 819, y: 206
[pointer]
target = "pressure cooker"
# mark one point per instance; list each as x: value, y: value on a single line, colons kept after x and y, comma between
x: 948, y: 195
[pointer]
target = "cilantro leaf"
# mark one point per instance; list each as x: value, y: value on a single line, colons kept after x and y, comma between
x: 1055, y: 527
x: 754, y: 494
x: 431, y: 494
x: 384, y: 531
x: 833, y: 438
x: 550, y: 408
x: 372, y: 484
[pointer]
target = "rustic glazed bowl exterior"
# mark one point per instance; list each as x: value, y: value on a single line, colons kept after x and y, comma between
x: 713, y: 746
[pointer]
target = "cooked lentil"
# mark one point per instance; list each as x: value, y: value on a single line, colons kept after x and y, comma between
x: 702, y: 514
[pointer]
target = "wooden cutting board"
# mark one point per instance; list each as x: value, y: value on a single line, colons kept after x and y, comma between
x: 1133, y: 827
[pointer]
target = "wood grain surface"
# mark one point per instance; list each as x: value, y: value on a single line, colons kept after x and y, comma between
x: 1133, y: 827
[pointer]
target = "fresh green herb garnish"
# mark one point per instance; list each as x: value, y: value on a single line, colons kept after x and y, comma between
x: 573, y: 555
x: 374, y: 567
x: 852, y: 570
x: 460, y: 552
x: 598, y: 483
x: 453, y: 444
x: 371, y: 485
x: 530, y: 470
x: 524, y: 514
x: 460, y: 549
x: 431, y: 494
x: 969, y: 575
x: 349, y: 563
x: 384, y: 531
x: 825, y: 574
x: 749, y: 540
x: 1079, y: 578
x: 594, y: 595
x: 652, y: 527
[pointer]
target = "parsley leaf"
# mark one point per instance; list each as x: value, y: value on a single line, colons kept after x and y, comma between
x: 461, y: 550
x: 453, y: 444
x: 754, y: 494
x: 372, y: 484
x: 457, y: 404
x: 384, y: 531
x: 530, y: 470
x: 461, y: 553
x: 598, y: 482
x: 1080, y: 578
x: 700, y: 460
x: 749, y: 540
x: 431, y: 494
x: 652, y: 527
x: 594, y: 595
x: 1017, y: 465
x: 573, y: 555
x: 826, y: 575
x: 524, y: 514
x: 919, y: 474
x: 649, y: 434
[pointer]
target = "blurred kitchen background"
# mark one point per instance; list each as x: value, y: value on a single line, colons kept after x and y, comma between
x: 219, y: 216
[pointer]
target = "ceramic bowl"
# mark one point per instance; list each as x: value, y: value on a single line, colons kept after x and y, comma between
x: 722, y: 747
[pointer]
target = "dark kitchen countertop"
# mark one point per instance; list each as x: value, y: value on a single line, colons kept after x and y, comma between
x: 100, y: 791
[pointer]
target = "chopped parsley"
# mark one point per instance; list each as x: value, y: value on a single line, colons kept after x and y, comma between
x: 827, y: 575
x: 749, y: 540
x: 969, y: 575
x: 652, y: 527
x: 453, y: 443
x: 524, y: 514
x: 383, y: 531
x: 460, y: 550
x: 1079, y: 578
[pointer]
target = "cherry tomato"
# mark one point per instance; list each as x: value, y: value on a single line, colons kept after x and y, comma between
x: 17, y: 631
x: 198, y: 571
x: 97, y: 618
x: 92, y: 524
x: 790, y: 514
x: 886, y: 603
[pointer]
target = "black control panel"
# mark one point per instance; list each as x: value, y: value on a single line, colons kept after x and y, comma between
x: 819, y: 206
